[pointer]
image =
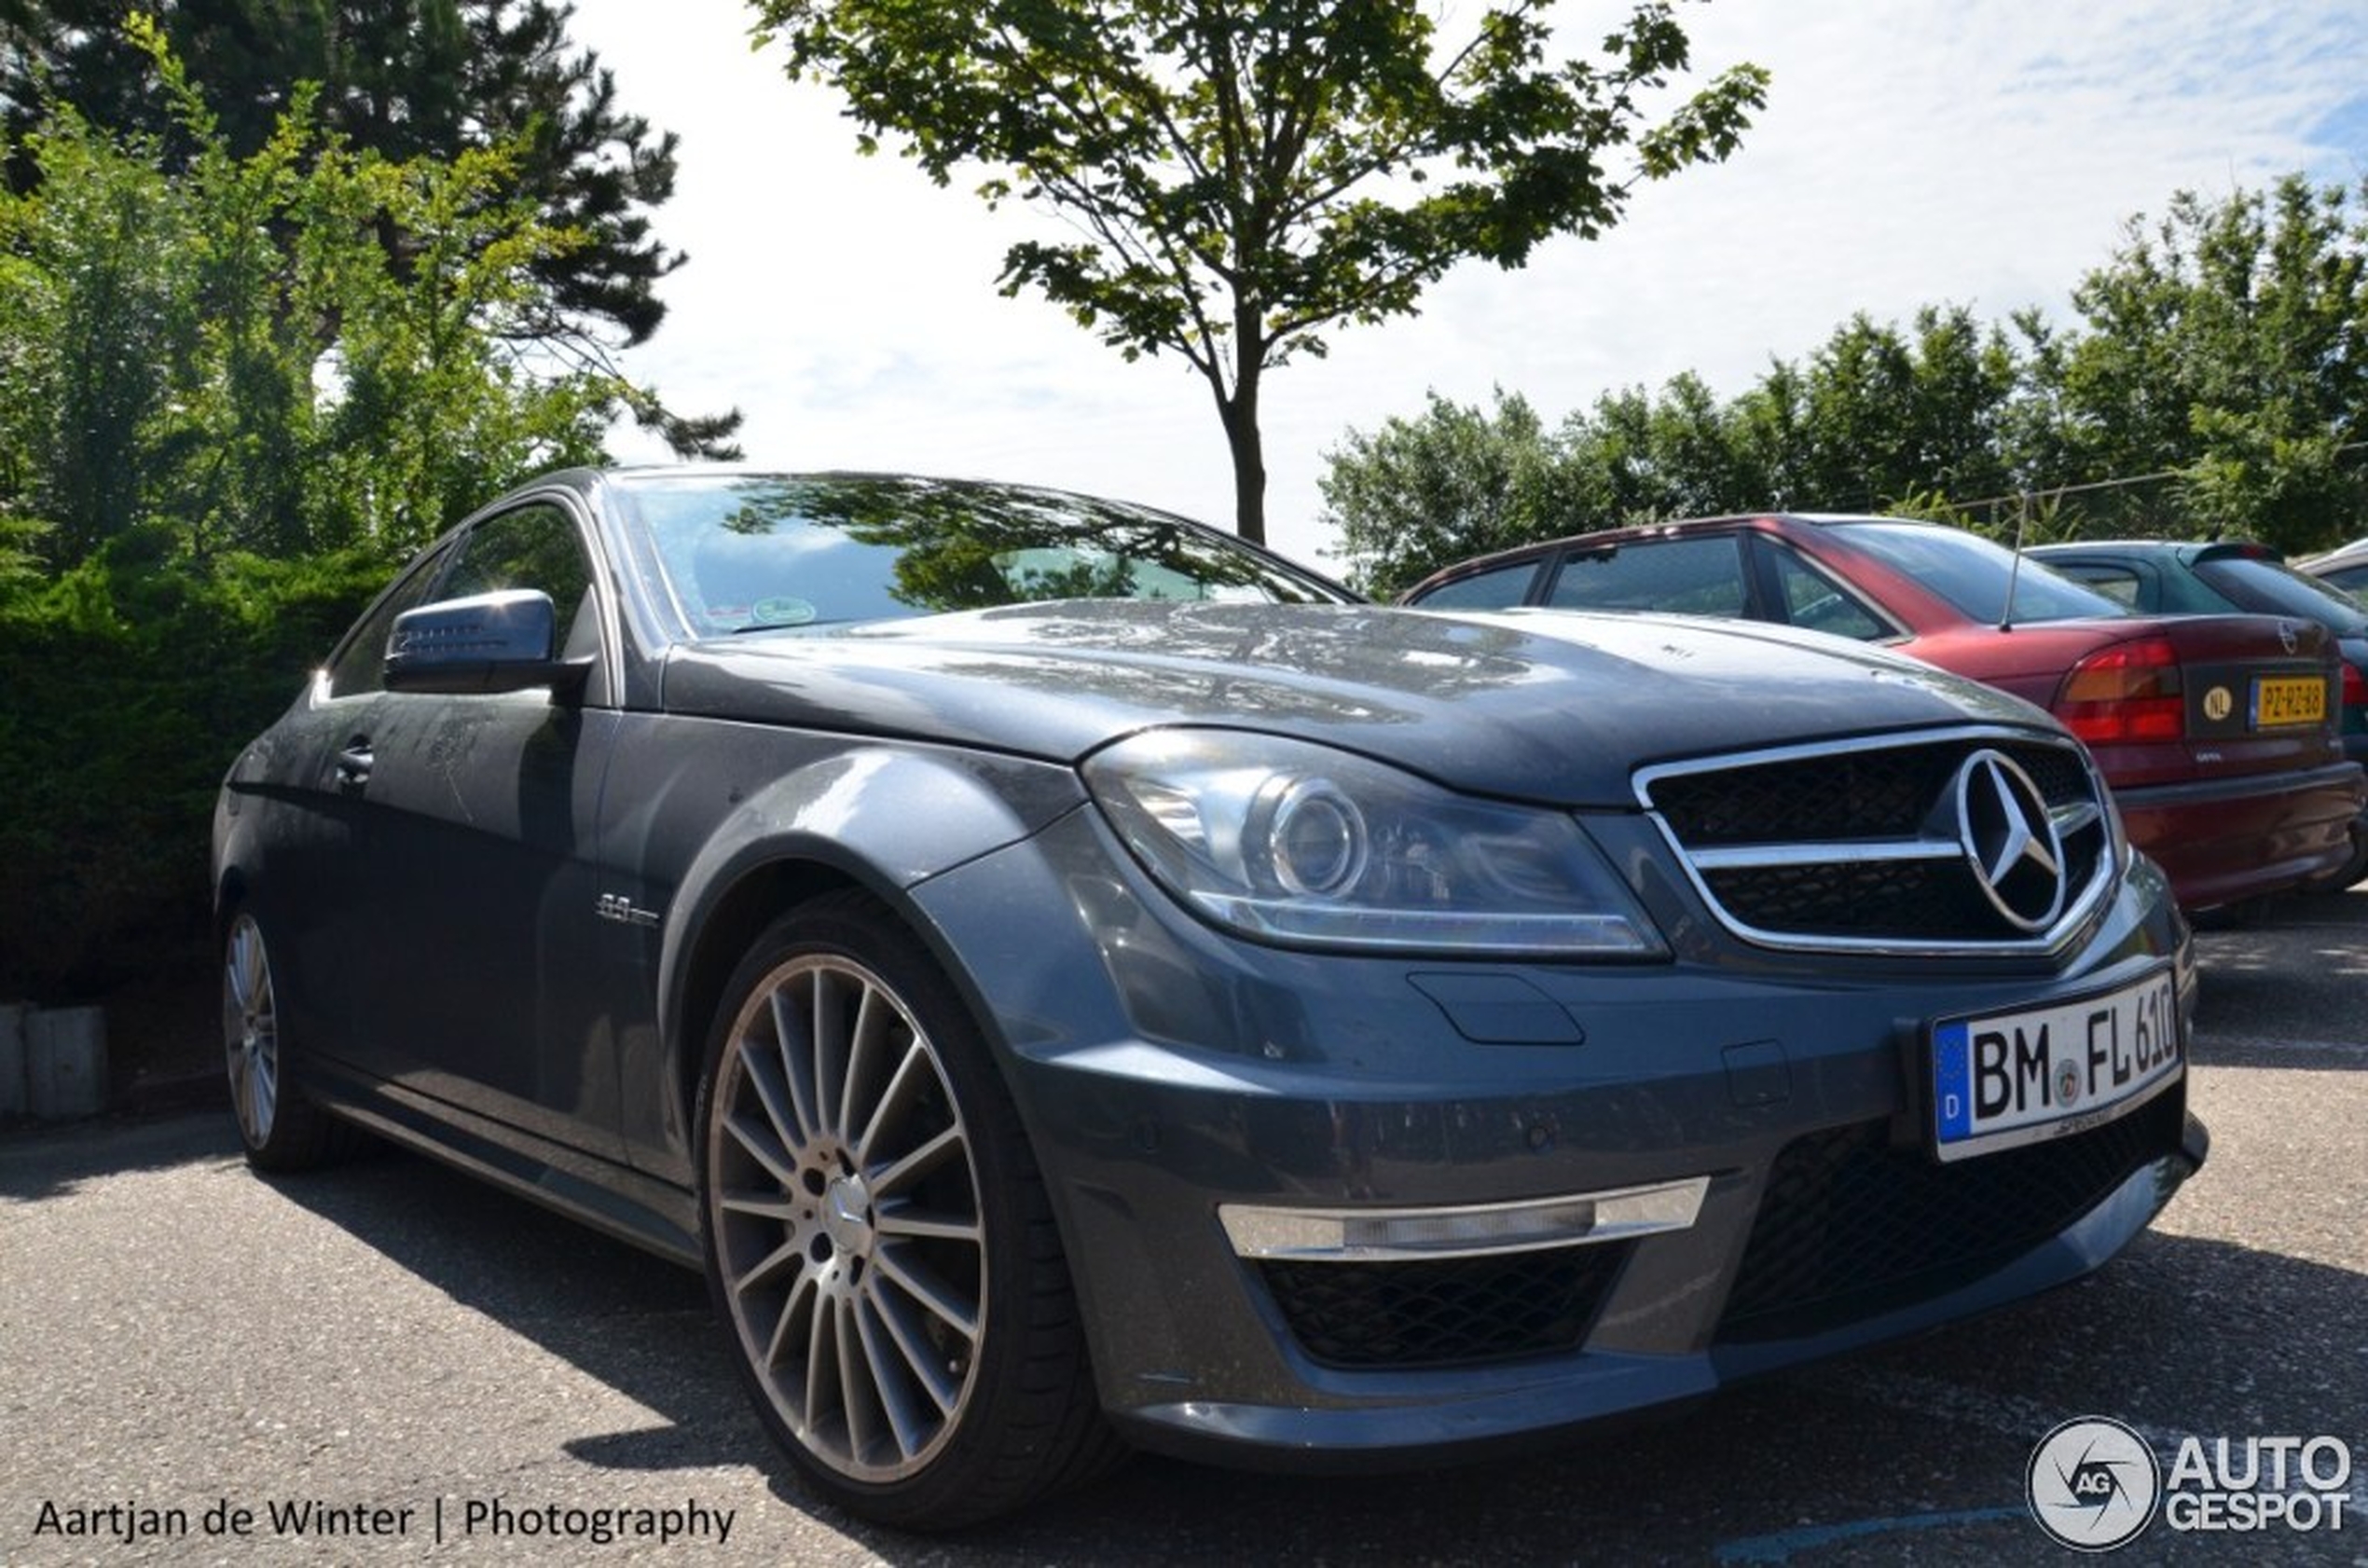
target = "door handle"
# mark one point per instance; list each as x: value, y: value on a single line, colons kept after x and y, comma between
x: 354, y: 763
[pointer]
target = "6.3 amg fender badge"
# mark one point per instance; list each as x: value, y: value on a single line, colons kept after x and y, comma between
x: 617, y: 907
x: 2010, y: 838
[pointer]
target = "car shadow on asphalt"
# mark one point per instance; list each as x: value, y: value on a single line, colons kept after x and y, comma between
x: 637, y: 1322
x: 1943, y: 1423
x: 594, y: 1301
x: 2252, y: 1010
x: 44, y: 1160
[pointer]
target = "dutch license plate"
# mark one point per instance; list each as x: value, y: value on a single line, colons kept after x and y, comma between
x: 2279, y: 701
x: 2005, y: 1078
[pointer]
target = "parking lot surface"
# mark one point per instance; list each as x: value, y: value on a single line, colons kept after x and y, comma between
x: 389, y: 1362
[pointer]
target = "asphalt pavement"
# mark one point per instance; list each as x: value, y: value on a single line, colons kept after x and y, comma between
x: 391, y: 1363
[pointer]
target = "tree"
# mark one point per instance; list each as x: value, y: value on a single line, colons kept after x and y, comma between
x: 1419, y: 493
x: 1888, y: 414
x: 404, y: 79
x: 1879, y: 419
x: 2217, y: 383
x: 1248, y: 176
x: 226, y: 406
x: 225, y: 355
x: 1637, y: 457
x: 2229, y: 341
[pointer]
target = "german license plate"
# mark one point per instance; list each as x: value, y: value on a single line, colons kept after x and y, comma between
x: 2279, y: 701
x: 2006, y: 1079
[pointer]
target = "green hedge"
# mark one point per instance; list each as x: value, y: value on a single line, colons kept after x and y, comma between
x: 127, y: 687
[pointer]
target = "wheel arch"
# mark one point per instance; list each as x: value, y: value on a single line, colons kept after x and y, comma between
x: 230, y: 893
x: 914, y: 815
x: 725, y: 932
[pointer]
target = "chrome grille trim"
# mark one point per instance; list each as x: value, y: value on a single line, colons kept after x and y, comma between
x: 1819, y: 853
x: 2069, y: 820
x: 2078, y: 807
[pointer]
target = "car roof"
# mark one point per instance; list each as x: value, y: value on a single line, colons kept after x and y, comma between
x: 1512, y: 553
x: 2342, y: 555
x: 2189, y: 547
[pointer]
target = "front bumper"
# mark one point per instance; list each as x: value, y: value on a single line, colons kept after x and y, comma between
x: 1176, y: 1080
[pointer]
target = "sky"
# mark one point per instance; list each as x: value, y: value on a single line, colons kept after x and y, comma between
x: 1982, y: 153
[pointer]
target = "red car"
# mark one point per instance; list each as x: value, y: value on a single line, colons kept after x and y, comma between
x: 2216, y: 732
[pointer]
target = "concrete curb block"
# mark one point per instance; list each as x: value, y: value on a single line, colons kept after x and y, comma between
x: 12, y: 1074
x: 66, y: 1062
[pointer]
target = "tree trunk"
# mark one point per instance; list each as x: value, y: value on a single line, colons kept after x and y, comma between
x: 1239, y: 413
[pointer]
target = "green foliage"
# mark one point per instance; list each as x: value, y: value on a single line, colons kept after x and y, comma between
x: 1878, y: 418
x: 231, y: 358
x: 2219, y: 385
x: 130, y: 685
x: 2229, y: 342
x: 401, y: 78
x: 1635, y: 458
x: 1244, y: 177
x: 1890, y: 413
x: 1457, y: 482
x: 235, y: 387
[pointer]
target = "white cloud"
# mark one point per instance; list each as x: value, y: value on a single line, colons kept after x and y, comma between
x: 1984, y: 152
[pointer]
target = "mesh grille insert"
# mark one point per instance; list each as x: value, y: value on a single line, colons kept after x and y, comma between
x: 1444, y: 1312
x: 1851, y: 1227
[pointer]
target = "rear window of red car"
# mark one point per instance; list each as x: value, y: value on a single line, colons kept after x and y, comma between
x: 1976, y: 575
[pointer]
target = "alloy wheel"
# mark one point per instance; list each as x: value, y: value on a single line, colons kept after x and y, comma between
x: 250, y: 1031
x: 844, y: 1212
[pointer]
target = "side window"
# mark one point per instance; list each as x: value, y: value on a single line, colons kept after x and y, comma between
x: 1812, y: 599
x: 360, y: 663
x: 1498, y: 588
x: 1697, y: 576
x: 2117, y: 583
x: 536, y: 546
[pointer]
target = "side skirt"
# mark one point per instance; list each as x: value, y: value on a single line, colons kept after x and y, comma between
x: 651, y: 1215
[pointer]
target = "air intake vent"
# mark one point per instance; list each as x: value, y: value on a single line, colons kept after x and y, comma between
x: 1448, y: 1312
x: 1851, y: 1226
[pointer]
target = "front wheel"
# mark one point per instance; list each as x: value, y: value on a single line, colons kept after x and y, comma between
x: 878, y: 1238
x: 282, y: 1128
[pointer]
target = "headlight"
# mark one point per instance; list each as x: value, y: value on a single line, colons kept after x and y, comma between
x: 1300, y: 844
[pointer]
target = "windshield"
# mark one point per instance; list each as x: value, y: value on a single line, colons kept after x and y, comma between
x: 767, y: 552
x: 1973, y: 573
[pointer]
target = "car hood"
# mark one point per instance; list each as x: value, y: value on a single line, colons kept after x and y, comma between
x: 1538, y: 704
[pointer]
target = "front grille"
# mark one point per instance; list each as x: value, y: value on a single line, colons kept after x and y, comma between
x: 1851, y: 1226
x: 1449, y: 1313
x: 1866, y: 791
x: 1859, y: 845
x: 1920, y: 899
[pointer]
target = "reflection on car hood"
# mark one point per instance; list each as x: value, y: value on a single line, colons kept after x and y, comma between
x: 1537, y: 704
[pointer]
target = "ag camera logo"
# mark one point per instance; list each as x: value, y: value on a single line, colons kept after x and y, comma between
x: 2093, y: 1484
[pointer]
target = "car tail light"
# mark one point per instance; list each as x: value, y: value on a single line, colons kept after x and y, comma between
x: 2129, y: 692
x: 2355, y: 687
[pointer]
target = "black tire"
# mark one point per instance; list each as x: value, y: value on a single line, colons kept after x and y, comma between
x: 282, y: 1127
x: 2245, y: 914
x: 2351, y: 873
x: 878, y: 1238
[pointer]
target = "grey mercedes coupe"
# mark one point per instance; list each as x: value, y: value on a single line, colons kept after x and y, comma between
x: 1075, y: 982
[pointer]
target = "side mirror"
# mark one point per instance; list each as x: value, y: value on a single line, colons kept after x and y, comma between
x: 487, y: 642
